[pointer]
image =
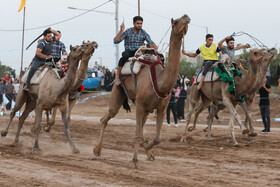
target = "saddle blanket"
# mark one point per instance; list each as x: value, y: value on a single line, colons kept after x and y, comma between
x: 144, y: 53
x: 207, y: 77
x: 38, y: 75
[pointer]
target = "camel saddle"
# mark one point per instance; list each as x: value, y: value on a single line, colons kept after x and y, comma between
x: 38, y: 75
x: 133, y: 65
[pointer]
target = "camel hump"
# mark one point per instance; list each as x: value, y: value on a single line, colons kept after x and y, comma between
x: 38, y: 75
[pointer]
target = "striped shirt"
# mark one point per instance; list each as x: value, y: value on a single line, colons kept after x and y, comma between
x: 57, y: 48
x: 134, y: 41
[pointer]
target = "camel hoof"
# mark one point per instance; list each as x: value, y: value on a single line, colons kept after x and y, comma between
x: 183, y: 139
x: 36, y: 150
x: 252, y: 141
x: 150, y: 157
x: 4, y: 133
x: 97, y: 152
x: 133, y: 164
x: 236, y: 144
x: 191, y: 129
x: 245, y: 131
x: 15, y: 144
x: 206, y: 129
x: 76, y: 151
x: 47, y: 128
x: 253, y: 134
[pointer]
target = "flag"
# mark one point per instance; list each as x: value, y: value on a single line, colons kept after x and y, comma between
x: 22, y: 4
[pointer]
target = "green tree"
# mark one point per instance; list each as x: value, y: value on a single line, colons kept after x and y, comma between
x: 187, y: 68
x: 4, y: 69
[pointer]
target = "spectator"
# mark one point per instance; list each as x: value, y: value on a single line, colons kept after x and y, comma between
x: 100, y: 72
x: 10, y: 93
x: 13, y: 73
x: 95, y: 67
x: 184, y: 81
x: 172, y: 106
x: 181, y: 103
x: 265, y: 105
x: 107, y: 79
x: 2, y: 87
x: 193, y: 79
x: 7, y: 77
x: 112, y: 78
x: 16, y: 85
x: 177, y: 93
x: 12, y: 78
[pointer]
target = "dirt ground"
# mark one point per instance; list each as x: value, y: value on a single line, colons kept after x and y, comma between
x: 198, y: 162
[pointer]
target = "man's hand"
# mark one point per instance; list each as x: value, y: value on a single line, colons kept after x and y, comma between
x: 228, y: 37
x: 49, y: 57
x: 122, y: 27
x: 247, y: 45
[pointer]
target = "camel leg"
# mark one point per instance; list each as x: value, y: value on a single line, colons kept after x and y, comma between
x: 236, y: 116
x: 210, y: 121
x: 148, y: 146
x: 38, y: 127
x: 139, y: 139
x: 194, y: 98
x: 64, y: 112
x: 49, y: 125
x: 20, y: 100
x: 231, y: 129
x: 71, y: 105
x: 248, y: 118
x: 205, y: 103
x: 215, y: 109
x: 116, y: 101
x: 30, y: 106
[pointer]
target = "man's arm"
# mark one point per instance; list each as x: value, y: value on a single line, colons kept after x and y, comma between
x: 154, y: 46
x: 40, y: 54
x: 57, y: 35
x: 222, y: 41
x: 118, y: 38
x: 64, y: 52
x: 193, y: 55
x: 242, y: 46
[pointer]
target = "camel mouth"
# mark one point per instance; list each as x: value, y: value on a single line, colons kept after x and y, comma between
x: 185, y: 19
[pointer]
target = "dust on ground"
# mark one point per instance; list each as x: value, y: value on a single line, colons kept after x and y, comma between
x: 198, y: 162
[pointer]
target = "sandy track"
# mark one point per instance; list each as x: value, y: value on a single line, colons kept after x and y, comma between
x: 198, y: 162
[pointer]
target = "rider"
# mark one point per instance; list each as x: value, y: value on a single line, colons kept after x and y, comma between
x: 209, y: 54
x: 58, y: 49
x: 43, y: 53
x: 134, y: 38
x: 230, y: 49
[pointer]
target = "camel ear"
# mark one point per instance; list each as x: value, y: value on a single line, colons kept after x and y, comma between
x: 83, y: 41
x: 172, y: 21
x: 71, y: 47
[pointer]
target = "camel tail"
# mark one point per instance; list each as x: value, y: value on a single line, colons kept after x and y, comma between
x: 126, y: 105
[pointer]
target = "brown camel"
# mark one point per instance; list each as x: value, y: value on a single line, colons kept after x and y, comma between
x: 247, y: 85
x: 80, y: 77
x: 51, y: 92
x: 145, y: 98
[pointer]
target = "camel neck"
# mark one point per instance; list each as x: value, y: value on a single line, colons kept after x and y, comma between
x: 65, y: 82
x: 81, y: 75
x: 170, y: 73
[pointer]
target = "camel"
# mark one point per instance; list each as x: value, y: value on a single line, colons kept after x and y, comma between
x: 80, y: 77
x: 246, y: 86
x: 51, y: 92
x: 145, y: 98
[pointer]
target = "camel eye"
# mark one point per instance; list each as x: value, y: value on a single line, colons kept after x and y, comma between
x: 176, y: 22
x: 256, y: 53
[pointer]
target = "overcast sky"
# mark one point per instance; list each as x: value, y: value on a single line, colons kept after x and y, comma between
x: 222, y: 17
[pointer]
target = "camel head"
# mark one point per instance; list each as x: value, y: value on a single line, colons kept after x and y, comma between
x: 180, y: 25
x: 75, y: 52
x: 89, y: 48
x: 262, y: 55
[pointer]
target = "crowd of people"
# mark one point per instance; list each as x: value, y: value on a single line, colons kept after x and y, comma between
x: 107, y: 76
x: 9, y: 86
